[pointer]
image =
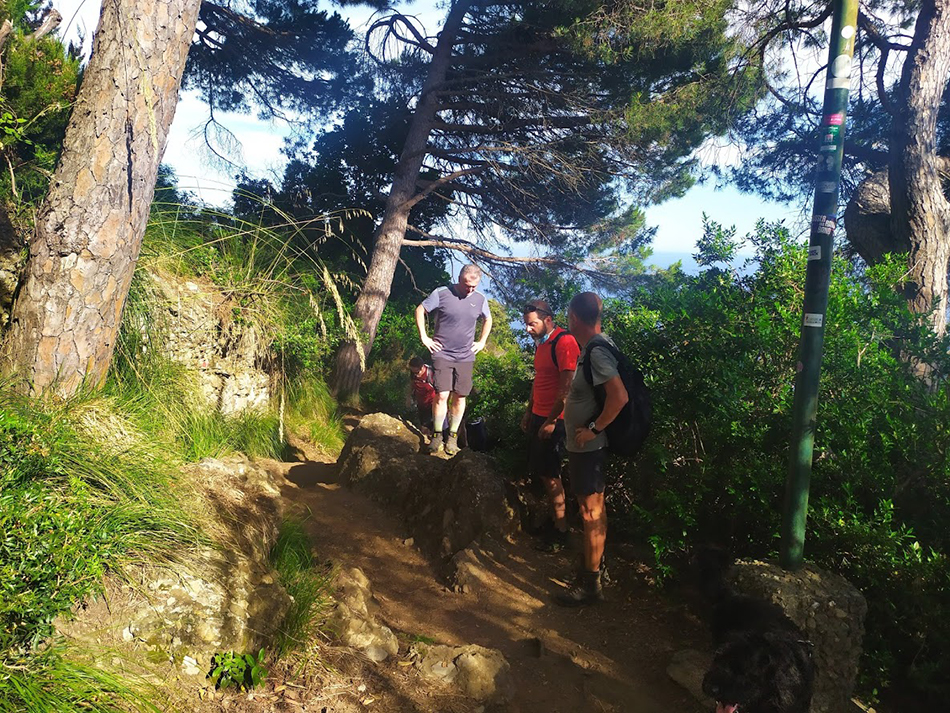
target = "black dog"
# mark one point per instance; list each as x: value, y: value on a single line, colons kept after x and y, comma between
x: 763, y: 663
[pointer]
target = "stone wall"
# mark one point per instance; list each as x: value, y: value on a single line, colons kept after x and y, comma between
x: 198, y: 329
x: 828, y: 609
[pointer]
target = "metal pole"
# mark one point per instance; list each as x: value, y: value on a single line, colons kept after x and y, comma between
x: 817, y: 277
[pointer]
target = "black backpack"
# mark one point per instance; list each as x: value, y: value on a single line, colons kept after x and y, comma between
x: 629, y: 430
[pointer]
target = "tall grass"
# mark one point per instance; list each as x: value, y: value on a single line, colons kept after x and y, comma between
x: 307, y: 581
x: 88, y: 486
x: 82, y: 494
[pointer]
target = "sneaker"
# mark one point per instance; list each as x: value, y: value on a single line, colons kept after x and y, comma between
x: 435, y: 445
x: 585, y: 590
x: 452, y: 444
x: 553, y: 541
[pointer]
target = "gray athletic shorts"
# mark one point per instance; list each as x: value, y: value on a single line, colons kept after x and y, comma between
x: 453, y: 376
x: 587, y: 472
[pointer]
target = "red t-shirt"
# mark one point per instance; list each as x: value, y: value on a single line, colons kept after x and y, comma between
x: 422, y: 389
x: 546, y: 374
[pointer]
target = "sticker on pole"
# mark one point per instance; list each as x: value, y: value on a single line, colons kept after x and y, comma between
x: 823, y: 224
x: 827, y: 186
x: 834, y: 119
x: 814, y: 320
x: 814, y: 252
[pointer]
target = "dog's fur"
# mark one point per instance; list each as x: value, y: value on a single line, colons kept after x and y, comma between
x: 763, y: 663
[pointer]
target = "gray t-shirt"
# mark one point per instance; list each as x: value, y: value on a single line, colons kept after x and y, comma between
x: 455, y: 321
x: 581, y: 408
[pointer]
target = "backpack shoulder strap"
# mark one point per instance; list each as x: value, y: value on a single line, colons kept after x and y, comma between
x: 554, y: 348
x: 589, y: 350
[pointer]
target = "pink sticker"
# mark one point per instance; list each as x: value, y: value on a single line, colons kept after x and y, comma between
x: 834, y: 119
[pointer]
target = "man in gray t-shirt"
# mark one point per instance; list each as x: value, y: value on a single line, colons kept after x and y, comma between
x: 584, y: 424
x: 457, y: 308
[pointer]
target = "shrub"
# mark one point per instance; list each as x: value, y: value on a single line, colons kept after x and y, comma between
x: 80, y: 496
x: 719, y: 350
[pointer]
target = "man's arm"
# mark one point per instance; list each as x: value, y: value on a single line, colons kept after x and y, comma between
x: 617, y: 398
x: 526, y: 419
x: 563, y: 389
x: 430, y: 344
x: 486, y: 330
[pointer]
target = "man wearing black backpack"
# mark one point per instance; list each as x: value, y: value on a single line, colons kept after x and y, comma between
x: 585, y: 419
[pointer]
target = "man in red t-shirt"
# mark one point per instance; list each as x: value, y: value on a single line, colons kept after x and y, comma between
x: 555, y: 360
x: 423, y: 391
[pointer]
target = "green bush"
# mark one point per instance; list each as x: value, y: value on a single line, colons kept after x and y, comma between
x: 80, y: 496
x: 719, y: 350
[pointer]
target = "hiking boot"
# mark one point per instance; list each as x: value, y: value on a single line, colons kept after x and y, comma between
x: 435, y: 445
x: 553, y: 541
x: 605, y: 580
x: 452, y: 444
x: 585, y: 590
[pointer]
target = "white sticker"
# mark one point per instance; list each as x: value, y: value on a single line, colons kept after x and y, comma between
x: 814, y: 320
x: 827, y: 186
x: 838, y: 82
x: 847, y: 31
x: 814, y: 252
x: 841, y: 67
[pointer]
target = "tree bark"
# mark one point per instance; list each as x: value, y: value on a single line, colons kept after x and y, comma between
x: 350, y: 362
x: 920, y: 214
x: 89, y: 230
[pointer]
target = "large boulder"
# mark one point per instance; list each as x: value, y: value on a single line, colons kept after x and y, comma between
x: 447, y: 504
x: 217, y: 598
x: 477, y: 672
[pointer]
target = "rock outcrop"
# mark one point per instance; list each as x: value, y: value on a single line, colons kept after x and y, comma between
x: 354, y: 620
x: 446, y: 504
x: 198, y: 328
x: 477, y: 672
x: 222, y: 598
x: 828, y: 609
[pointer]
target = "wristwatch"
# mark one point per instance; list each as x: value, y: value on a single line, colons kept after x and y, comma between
x: 592, y: 427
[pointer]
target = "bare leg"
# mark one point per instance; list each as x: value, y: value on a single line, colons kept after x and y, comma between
x: 595, y: 529
x: 555, y: 490
x: 439, y: 408
x: 457, y: 412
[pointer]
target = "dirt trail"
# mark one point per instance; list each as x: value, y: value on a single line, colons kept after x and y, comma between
x: 611, y: 657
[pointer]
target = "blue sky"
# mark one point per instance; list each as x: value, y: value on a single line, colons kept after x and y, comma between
x: 678, y: 222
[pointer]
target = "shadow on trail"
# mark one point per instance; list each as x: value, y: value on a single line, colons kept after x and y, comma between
x: 611, y: 657
x: 310, y: 473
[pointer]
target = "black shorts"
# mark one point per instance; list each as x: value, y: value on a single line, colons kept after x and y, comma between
x: 587, y: 472
x: 453, y: 376
x: 545, y: 454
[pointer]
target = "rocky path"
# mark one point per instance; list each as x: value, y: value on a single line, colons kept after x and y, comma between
x: 611, y: 657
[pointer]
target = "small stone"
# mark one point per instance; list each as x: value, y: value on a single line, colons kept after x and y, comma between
x: 409, y: 542
x: 127, y: 634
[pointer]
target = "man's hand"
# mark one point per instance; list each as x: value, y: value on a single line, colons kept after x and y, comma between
x: 432, y: 345
x: 478, y: 346
x: 546, y: 430
x: 583, y: 435
x: 526, y: 420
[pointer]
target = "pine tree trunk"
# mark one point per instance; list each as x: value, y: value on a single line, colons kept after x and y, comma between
x: 89, y: 230
x: 392, y: 231
x: 920, y: 214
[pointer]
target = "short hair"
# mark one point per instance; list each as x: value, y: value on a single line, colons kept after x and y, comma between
x: 587, y: 308
x: 540, y: 306
x: 470, y: 269
x: 416, y: 363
